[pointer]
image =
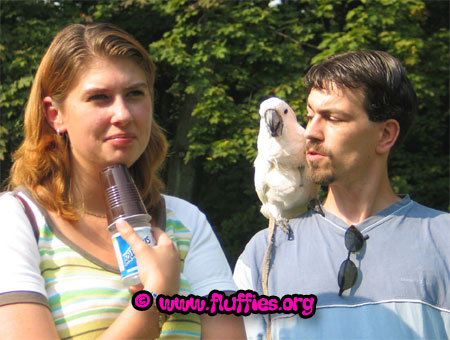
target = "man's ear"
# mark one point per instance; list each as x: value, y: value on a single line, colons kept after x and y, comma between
x: 53, y: 115
x: 389, y: 131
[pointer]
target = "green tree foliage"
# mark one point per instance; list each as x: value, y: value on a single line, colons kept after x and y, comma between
x: 27, y: 28
x: 216, y: 60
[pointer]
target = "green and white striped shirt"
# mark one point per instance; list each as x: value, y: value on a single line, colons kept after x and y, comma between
x: 86, y: 295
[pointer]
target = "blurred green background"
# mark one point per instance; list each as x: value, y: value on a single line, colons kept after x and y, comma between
x: 216, y: 60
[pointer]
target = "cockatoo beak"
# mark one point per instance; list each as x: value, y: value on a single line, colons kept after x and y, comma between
x: 274, y: 122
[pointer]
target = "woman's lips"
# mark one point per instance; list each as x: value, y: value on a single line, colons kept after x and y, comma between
x: 121, y: 139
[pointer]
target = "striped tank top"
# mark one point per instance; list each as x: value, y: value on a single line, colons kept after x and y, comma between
x: 85, y: 298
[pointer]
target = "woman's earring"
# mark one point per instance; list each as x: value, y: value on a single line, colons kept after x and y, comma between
x: 62, y: 134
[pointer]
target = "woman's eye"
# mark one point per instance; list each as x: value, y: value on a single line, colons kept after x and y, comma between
x: 135, y: 93
x: 98, y: 97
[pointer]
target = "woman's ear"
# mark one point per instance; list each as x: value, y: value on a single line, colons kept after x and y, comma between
x: 389, y: 131
x: 53, y: 115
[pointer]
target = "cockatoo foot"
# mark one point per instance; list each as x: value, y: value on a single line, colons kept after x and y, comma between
x: 285, y: 226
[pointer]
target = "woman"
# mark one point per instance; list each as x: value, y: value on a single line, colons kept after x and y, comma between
x: 91, y: 106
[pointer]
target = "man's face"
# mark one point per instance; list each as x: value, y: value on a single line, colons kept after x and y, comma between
x: 340, y: 139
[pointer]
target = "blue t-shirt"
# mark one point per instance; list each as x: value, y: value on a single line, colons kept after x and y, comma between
x: 403, y: 286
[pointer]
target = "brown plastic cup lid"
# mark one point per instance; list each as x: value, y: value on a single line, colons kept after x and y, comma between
x: 121, y: 195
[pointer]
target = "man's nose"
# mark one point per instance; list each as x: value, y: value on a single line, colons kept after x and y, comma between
x: 314, y: 128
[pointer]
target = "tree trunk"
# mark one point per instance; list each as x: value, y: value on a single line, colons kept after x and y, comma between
x: 181, y: 174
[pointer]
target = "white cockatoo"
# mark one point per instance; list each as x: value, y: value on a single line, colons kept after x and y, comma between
x: 280, y: 179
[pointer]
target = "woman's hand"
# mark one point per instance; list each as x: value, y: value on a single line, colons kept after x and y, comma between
x: 158, y: 266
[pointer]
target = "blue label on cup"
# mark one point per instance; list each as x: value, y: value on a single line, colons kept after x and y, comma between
x: 124, y: 253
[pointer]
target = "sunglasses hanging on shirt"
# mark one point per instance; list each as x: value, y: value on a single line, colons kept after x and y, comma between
x: 348, y: 273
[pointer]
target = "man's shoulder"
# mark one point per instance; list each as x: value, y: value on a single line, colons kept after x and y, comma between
x: 258, y: 241
x: 257, y: 245
x: 421, y: 211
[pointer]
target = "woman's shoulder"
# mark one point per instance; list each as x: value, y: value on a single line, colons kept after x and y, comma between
x: 12, y: 207
x: 9, y: 204
x: 173, y: 202
x: 185, y: 212
x: 181, y: 206
x: 16, y: 229
x: 6, y: 197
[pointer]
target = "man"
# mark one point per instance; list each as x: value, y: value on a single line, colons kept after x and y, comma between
x: 378, y: 263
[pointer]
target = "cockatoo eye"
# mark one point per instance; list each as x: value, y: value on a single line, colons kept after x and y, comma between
x: 285, y: 111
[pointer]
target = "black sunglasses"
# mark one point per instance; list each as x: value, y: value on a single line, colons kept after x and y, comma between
x: 348, y: 273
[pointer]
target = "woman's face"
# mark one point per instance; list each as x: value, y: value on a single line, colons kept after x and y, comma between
x: 107, y: 114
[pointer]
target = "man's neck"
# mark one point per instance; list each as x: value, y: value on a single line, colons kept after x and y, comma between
x: 356, y: 202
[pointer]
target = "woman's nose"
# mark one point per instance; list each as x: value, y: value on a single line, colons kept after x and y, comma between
x: 121, y: 114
